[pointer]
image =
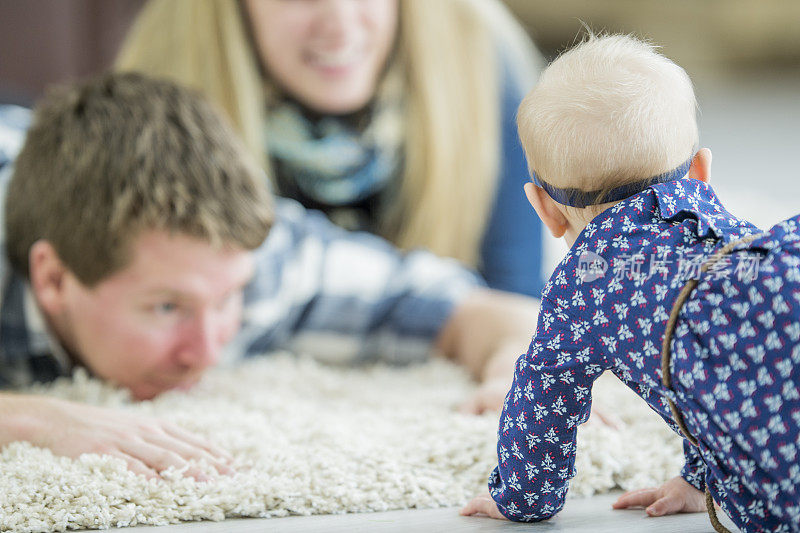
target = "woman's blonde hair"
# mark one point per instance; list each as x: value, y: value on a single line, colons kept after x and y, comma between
x: 446, y: 52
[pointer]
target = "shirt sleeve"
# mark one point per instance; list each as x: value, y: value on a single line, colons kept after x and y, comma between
x: 550, y: 396
x: 346, y: 297
x: 694, y: 470
x: 512, y: 248
x: 14, y: 360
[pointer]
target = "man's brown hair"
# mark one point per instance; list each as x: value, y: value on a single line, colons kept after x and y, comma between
x: 108, y: 158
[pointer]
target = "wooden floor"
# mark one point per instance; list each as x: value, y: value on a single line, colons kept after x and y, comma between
x: 590, y: 515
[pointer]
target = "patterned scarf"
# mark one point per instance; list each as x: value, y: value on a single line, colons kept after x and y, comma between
x: 338, y: 163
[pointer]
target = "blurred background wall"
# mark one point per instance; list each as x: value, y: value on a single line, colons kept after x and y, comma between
x: 42, y: 41
x: 743, y: 56
x: 45, y: 41
x: 698, y: 34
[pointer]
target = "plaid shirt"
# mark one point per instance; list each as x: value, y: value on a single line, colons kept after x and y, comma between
x: 343, y: 297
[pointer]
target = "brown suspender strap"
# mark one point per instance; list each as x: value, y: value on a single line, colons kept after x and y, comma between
x: 666, y: 357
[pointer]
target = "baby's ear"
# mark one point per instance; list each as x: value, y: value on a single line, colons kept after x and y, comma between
x: 701, y: 166
x: 547, y: 210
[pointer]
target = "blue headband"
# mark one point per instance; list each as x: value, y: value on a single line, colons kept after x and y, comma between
x: 579, y: 198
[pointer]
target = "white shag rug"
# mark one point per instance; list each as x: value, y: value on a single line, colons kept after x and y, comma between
x: 312, y: 439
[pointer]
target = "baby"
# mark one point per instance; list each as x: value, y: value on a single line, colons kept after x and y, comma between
x: 658, y: 276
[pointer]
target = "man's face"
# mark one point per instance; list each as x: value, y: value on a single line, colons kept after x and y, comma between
x: 161, y: 321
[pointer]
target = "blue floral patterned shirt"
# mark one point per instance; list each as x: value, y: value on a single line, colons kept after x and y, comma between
x: 604, y: 308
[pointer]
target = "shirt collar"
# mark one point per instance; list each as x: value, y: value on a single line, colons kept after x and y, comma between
x: 41, y: 340
x: 674, y: 201
x: 695, y: 200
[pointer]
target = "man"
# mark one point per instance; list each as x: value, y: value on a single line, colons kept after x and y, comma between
x: 135, y: 232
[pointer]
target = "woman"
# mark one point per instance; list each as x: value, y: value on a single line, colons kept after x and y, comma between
x: 392, y: 116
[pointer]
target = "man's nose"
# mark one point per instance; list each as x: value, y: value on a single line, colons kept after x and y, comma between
x: 202, y: 341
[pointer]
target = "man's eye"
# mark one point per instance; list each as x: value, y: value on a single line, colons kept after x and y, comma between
x: 165, y: 308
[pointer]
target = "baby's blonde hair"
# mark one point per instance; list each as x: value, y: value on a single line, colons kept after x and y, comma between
x: 611, y: 110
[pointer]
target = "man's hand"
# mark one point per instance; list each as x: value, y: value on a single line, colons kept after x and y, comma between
x: 489, y: 397
x: 483, y: 505
x: 674, y: 496
x: 146, y: 444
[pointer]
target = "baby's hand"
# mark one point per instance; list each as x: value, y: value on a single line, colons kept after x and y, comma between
x: 483, y: 505
x: 674, y: 496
